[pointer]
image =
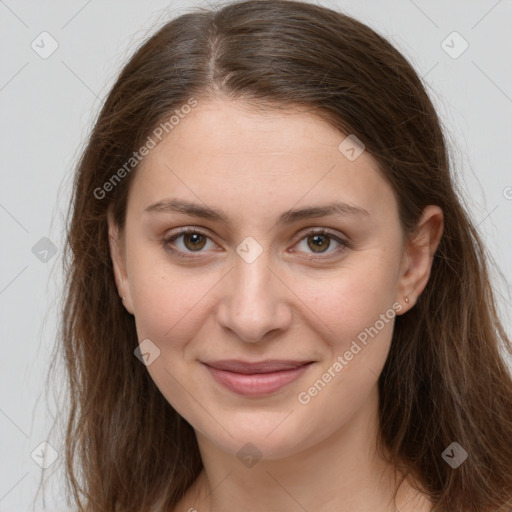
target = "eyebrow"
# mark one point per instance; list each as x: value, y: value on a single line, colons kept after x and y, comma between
x: 288, y: 217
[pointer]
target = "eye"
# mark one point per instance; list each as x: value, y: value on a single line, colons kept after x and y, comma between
x: 193, y: 241
x: 319, y: 241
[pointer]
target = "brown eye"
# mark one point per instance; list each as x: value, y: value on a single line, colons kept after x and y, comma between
x: 319, y: 243
x: 194, y: 241
x: 186, y: 241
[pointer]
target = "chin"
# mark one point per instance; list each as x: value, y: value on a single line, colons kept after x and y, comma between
x: 263, y: 436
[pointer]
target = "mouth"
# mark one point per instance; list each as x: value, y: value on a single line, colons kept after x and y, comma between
x: 258, y: 378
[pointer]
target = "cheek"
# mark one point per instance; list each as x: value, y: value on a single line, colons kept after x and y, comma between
x: 165, y: 297
x: 169, y: 308
x: 359, y: 328
x: 340, y: 387
x: 356, y: 314
x: 355, y: 298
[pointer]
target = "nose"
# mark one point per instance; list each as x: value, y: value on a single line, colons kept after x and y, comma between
x: 254, y: 301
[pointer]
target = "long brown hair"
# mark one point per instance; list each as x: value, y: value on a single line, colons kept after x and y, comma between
x: 445, y: 379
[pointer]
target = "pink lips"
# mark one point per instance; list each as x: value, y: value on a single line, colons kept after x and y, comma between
x: 256, y: 379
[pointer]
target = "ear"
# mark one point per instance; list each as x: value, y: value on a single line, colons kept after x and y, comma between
x: 419, y: 255
x: 118, y: 262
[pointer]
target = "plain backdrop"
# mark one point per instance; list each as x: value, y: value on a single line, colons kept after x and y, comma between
x: 48, y: 102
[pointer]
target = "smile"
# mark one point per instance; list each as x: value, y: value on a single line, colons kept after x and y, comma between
x: 256, y: 379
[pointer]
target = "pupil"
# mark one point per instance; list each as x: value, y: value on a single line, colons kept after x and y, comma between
x: 318, y: 242
x: 194, y: 240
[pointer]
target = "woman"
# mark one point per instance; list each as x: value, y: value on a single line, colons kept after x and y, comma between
x: 275, y: 300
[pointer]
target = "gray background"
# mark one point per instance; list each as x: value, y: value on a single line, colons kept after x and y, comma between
x: 48, y: 105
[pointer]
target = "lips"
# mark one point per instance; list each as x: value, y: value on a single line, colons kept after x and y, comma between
x: 247, y: 368
x: 256, y: 378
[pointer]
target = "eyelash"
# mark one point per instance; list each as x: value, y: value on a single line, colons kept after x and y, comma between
x: 344, y: 244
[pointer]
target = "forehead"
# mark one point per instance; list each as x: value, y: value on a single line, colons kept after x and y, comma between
x: 228, y: 154
x: 234, y: 129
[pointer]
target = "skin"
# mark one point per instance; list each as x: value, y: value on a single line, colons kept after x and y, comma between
x: 289, y: 303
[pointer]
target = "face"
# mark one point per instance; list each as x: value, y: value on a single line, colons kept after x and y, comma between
x: 273, y: 313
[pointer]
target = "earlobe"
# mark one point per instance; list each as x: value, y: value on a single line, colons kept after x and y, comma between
x: 118, y: 264
x: 420, y: 250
